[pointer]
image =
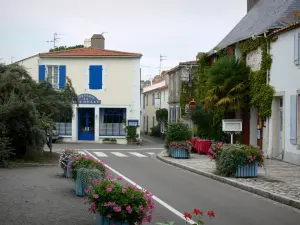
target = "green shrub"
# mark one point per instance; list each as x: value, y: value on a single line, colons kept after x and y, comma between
x: 177, y: 132
x: 155, y: 131
x: 131, y: 134
x: 110, y: 139
x: 87, y: 175
x: 233, y: 156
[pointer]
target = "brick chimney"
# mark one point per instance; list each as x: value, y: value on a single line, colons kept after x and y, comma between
x: 251, y: 4
x: 98, y: 41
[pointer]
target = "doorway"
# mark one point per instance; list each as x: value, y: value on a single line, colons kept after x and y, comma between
x: 280, y: 130
x: 86, y: 124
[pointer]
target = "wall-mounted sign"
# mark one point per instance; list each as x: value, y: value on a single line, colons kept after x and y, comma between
x: 87, y: 99
x: 133, y: 123
x: 232, y: 125
x: 253, y: 59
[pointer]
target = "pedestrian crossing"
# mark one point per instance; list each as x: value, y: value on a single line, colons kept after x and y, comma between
x: 119, y: 154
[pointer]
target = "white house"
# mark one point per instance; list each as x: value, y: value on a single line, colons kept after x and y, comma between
x: 107, y: 84
x: 284, y: 124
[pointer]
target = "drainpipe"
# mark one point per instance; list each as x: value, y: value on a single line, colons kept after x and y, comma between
x: 270, y: 139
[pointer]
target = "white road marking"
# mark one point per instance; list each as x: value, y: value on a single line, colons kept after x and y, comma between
x: 150, y: 153
x: 111, y: 149
x: 81, y: 152
x: 119, y: 154
x: 137, y: 154
x: 100, y: 154
x: 176, y: 212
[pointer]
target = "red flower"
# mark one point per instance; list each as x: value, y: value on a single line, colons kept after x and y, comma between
x: 211, y: 213
x: 188, y: 215
x: 197, y: 212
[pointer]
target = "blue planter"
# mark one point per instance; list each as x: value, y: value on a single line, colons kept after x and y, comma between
x: 247, y: 171
x: 69, y: 173
x: 179, y: 153
x: 101, y: 220
x: 79, y: 187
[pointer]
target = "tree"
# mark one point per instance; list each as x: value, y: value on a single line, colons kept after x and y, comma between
x: 228, y: 84
x: 28, y: 108
x: 61, y: 48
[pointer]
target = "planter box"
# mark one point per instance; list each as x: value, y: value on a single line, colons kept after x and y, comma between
x: 68, y: 172
x: 101, y: 220
x: 109, y: 142
x: 179, y: 153
x: 247, y: 171
x: 79, y: 188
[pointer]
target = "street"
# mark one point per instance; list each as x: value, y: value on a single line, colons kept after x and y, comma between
x: 177, y: 191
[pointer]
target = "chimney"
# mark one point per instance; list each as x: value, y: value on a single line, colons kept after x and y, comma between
x: 97, y: 41
x: 251, y: 4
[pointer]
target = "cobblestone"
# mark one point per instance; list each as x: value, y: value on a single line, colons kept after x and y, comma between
x: 275, y: 177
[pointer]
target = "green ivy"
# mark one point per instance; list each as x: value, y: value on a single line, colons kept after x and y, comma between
x: 261, y: 93
x: 162, y: 115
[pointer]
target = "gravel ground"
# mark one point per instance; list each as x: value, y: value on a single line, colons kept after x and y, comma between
x: 40, y: 196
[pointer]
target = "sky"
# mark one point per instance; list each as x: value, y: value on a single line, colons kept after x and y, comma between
x: 176, y: 29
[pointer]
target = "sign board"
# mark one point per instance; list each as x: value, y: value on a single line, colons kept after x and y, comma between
x: 87, y: 99
x: 192, y: 104
x: 253, y: 59
x: 232, y: 125
x: 133, y: 123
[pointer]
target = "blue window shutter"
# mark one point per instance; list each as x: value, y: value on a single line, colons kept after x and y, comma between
x: 293, y: 120
x: 297, y: 48
x: 42, y: 73
x: 62, y: 76
x: 95, y: 77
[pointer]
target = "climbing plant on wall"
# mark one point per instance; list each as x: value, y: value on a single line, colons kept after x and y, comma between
x: 261, y: 93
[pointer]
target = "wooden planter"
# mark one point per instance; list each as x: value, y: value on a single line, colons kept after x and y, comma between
x: 179, y: 153
x: 101, y: 220
x: 247, y: 171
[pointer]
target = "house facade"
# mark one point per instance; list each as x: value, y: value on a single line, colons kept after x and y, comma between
x: 154, y: 97
x: 284, y: 124
x: 185, y: 71
x: 107, y: 84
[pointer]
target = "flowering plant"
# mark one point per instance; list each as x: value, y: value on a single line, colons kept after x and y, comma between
x: 87, y: 175
x: 215, y: 151
x: 63, y: 159
x: 233, y: 156
x: 188, y: 216
x: 119, y: 202
x: 186, y: 145
x: 84, y: 161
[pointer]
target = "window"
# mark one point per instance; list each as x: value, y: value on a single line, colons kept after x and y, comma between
x: 111, y: 121
x: 147, y: 100
x: 64, y: 128
x: 144, y: 124
x: 297, y: 49
x: 153, y: 99
x: 153, y: 121
x: 52, y: 76
x: 144, y: 99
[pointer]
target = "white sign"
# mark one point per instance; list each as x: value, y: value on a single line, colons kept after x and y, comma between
x: 232, y: 125
x: 253, y: 59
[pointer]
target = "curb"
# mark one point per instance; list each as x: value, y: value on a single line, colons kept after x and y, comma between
x: 260, y: 192
x: 30, y: 165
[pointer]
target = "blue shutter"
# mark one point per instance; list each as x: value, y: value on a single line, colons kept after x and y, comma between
x: 297, y: 48
x: 42, y: 73
x: 62, y: 76
x: 95, y: 77
x: 293, y: 120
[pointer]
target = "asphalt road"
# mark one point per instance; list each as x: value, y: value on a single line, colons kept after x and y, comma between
x: 183, y: 190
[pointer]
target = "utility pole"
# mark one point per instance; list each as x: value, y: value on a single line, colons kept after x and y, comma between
x: 54, y: 40
x: 161, y: 58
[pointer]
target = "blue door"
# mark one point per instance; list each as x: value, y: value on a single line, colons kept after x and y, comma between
x: 86, y: 124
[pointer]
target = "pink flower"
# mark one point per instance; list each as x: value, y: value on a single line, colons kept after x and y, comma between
x: 119, y: 178
x: 110, y: 177
x: 109, y: 189
x: 94, y: 181
x: 123, y: 190
x: 96, y: 196
x: 129, y: 209
x: 117, y: 209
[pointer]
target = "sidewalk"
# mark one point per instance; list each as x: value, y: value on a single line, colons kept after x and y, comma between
x: 278, y: 181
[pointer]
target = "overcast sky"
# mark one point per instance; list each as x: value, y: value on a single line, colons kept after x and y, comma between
x: 177, y: 29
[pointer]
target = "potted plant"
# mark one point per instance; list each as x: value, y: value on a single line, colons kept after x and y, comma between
x: 64, y: 159
x: 132, y: 136
x: 84, y: 179
x: 109, y: 141
x: 83, y: 161
x: 237, y: 160
x: 118, y: 204
x: 180, y: 149
x: 178, y: 134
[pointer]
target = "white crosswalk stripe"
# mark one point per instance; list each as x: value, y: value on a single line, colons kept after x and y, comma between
x: 119, y: 154
x: 137, y: 154
x: 150, y: 153
x: 81, y: 152
x: 100, y: 154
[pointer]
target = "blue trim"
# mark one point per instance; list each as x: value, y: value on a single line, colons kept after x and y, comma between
x: 86, y: 135
x: 95, y: 77
x: 133, y: 122
x: 62, y: 76
x: 42, y: 73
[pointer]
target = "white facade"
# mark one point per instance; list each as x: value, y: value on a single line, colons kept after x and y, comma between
x: 284, y: 124
x: 120, y: 89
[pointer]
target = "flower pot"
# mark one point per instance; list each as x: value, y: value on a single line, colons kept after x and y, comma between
x: 68, y: 172
x: 179, y: 153
x: 101, y: 220
x: 79, y: 187
x: 247, y: 171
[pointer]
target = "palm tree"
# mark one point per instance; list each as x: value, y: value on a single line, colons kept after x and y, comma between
x: 228, y: 84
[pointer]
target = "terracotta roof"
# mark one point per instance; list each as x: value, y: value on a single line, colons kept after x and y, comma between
x: 188, y: 63
x: 94, y: 52
x: 286, y: 28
